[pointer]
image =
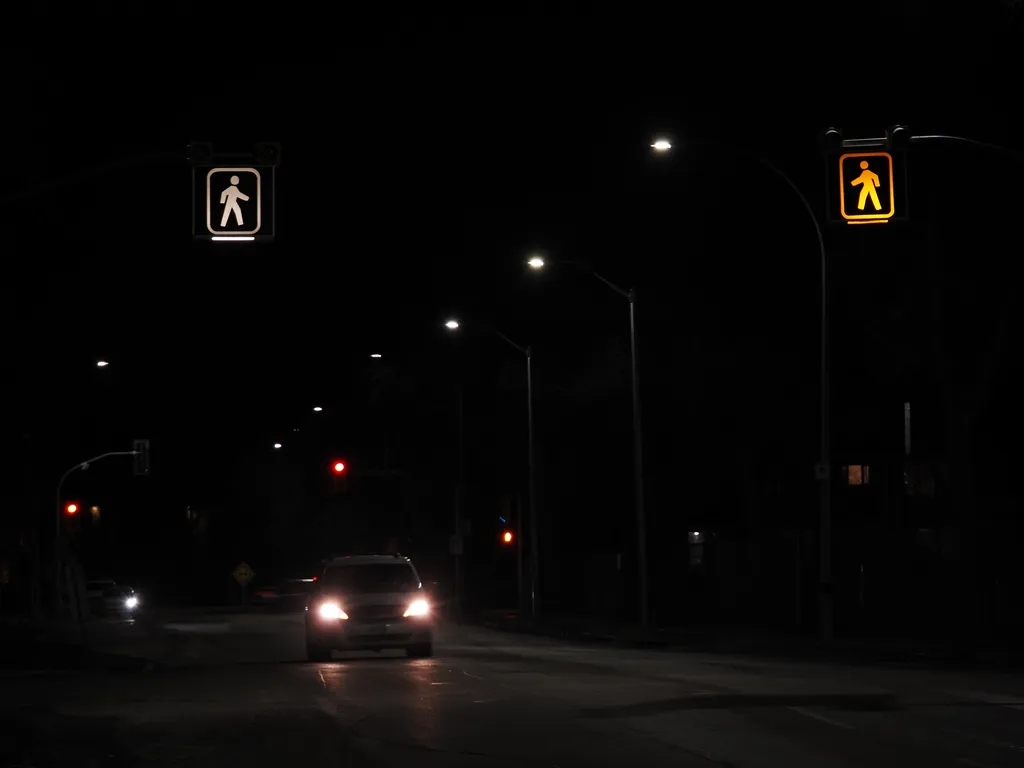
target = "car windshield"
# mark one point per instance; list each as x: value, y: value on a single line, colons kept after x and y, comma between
x: 376, y: 577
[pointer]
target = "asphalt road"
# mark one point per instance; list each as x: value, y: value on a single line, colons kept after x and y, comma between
x: 235, y: 690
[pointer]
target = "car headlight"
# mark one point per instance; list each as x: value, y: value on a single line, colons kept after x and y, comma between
x: 131, y: 602
x: 332, y: 611
x: 417, y: 608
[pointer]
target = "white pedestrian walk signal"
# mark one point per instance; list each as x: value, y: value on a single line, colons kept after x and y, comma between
x: 229, y: 199
x: 234, y: 201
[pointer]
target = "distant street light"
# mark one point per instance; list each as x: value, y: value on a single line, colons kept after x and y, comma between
x: 102, y: 363
x: 536, y: 262
x: 277, y: 446
x: 452, y: 325
x: 661, y: 145
x: 317, y: 408
x: 376, y: 355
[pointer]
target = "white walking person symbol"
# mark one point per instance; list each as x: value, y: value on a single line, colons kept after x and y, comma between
x: 229, y: 199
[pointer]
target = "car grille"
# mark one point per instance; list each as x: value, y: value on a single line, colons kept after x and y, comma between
x: 376, y: 613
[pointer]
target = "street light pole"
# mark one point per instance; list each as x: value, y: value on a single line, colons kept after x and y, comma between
x: 534, y: 537
x: 823, y: 471
x: 538, y: 262
x: 83, y: 465
x: 638, y: 466
x: 532, y: 480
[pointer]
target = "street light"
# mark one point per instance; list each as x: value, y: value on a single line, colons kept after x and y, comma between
x: 532, y: 492
x: 451, y: 325
x: 661, y: 145
x: 638, y: 454
x: 277, y: 446
x: 536, y: 262
x: 317, y: 408
x: 376, y: 355
x: 102, y: 363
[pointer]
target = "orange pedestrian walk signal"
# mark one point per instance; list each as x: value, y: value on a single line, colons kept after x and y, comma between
x: 867, y: 193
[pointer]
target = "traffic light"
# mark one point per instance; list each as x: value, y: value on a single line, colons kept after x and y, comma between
x: 71, y: 509
x: 507, y: 537
x: 339, y: 476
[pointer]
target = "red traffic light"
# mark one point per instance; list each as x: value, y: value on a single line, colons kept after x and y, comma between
x: 71, y: 509
x: 339, y: 467
x: 507, y: 537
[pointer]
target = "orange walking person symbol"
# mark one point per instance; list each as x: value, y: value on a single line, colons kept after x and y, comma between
x: 868, y: 182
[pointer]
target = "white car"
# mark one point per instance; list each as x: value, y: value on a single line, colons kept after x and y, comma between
x: 369, y: 602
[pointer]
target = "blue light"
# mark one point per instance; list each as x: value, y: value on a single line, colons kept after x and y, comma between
x: 501, y: 518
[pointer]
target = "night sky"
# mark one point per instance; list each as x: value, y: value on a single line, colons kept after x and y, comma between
x: 416, y: 177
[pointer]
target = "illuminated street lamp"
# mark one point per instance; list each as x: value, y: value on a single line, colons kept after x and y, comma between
x: 317, y: 408
x: 661, y: 145
x: 376, y: 355
x: 452, y: 325
x: 277, y: 446
x: 535, y: 262
x: 102, y: 363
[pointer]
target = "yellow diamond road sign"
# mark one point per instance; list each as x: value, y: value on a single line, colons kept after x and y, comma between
x: 243, y: 573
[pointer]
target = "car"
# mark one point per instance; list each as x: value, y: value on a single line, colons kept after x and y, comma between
x: 369, y: 602
x: 107, y: 597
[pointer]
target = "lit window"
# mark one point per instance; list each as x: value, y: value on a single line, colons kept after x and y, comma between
x: 858, y: 474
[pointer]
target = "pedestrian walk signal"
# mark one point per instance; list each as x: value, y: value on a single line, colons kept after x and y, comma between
x: 234, y: 201
x: 867, y: 192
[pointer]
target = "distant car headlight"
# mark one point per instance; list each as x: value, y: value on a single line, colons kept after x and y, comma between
x: 332, y: 611
x: 131, y: 602
x: 418, y: 608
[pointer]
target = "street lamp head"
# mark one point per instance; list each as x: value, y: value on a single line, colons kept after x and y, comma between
x: 277, y: 446
x: 102, y: 363
x: 452, y: 325
x: 317, y: 408
x: 661, y: 145
x: 535, y: 262
x: 376, y: 355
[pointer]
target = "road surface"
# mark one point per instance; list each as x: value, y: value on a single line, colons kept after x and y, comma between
x: 235, y: 690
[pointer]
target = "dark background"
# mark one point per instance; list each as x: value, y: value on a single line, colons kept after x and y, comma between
x: 417, y: 174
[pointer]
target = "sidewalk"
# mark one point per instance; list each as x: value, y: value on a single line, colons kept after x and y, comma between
x: 731, y: 640
x: 50, y: 645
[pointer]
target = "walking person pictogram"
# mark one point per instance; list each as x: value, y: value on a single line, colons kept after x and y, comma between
x: 867, y: 180
x: 229, y: 199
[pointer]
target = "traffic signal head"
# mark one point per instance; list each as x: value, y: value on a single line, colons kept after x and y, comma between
x: 507, y: 537
x: 339, y: 467
x: 71, y: 508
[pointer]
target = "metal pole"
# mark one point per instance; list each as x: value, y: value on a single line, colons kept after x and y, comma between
x: 825, y: 623
x: 58, y: 510
x: 520, y: 594
x: 824, y: 468
x: 638, y: 467
x: 458, y: 511
x: 534, y: 533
